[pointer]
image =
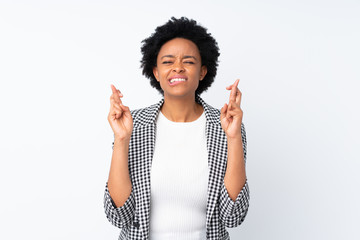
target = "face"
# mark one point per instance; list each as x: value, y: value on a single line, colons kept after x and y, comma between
x: 179, y: 68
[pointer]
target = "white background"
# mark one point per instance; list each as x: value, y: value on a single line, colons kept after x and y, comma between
x: 298, y: 62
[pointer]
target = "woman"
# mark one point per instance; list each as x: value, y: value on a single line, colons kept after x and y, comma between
x: 178, y: 166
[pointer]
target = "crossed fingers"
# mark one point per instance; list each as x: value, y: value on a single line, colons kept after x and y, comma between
x: 233, y: 107
x: 235, y: 94
x: 116, y: 94
x: 116, y: 108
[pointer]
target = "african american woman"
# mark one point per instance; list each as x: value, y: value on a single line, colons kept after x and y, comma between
x: 178, y: 166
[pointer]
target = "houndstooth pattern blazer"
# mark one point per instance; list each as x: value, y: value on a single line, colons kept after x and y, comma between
x: 133, y: 217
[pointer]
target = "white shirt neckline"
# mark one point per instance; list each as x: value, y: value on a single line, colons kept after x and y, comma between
x: 199, y: 119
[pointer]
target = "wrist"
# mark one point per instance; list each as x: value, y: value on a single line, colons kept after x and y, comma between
x: 234, y: 139
x: 121, y: 139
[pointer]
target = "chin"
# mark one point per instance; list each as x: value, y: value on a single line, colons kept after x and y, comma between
x: 179, y: 94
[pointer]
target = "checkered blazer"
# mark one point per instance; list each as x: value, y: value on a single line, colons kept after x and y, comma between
x: 133, y: 217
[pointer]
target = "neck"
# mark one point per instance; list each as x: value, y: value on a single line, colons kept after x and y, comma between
x: 181, y: 109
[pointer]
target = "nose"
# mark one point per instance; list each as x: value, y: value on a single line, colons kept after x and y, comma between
x: 178, y: 67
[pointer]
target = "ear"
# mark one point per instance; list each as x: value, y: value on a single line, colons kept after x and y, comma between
x: 203, y: 72
x: 156, y: 73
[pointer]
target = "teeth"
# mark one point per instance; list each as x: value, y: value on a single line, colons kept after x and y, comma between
x: 177, y: 80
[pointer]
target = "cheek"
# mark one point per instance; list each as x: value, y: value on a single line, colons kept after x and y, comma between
x: 197, y: 74
x: 163, y: 73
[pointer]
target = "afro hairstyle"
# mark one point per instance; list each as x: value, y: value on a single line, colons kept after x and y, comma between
x: 181, y: 28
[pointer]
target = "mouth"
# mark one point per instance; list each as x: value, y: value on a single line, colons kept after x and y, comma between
x: 177, y: 79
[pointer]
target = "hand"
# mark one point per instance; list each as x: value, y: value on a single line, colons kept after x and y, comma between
x: 119, y: 117
x: 231, y: 113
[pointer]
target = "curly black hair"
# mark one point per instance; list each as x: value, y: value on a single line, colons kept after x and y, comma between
x: 181, y: 28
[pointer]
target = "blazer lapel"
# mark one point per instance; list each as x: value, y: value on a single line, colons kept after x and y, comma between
x: 145, y: 127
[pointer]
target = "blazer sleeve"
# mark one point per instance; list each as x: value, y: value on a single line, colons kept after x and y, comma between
x: 119, y: 216
x: 233, y: 213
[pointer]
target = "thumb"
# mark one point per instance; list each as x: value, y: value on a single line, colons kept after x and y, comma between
x: 223, y: 111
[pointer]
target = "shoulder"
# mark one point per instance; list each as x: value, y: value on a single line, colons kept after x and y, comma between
x: 212, y: 110
x: 212, y: 113
x: 142, y: 112
x: 146, y: 115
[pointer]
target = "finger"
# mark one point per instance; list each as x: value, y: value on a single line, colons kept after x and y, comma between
x: 238, y: 97
x: 235, y: 112
x: 232, y: 106
x: 115, y: 98
x: 113, y: 89
x: 234, y: 88
x: 115, y: 105
x: 126, y: 111
x: 223, y: 111
x: 228, y: 109
x: 228, y: 116
x: 124, y: 108
x: 232, y: 113
x: 235, y: 109
x: 115, y: 113
x: 117, y: 108
x: 230, y: 86
x: 116, y: 94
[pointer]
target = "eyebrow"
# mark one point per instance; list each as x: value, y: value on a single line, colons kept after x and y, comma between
x: 172, y: 56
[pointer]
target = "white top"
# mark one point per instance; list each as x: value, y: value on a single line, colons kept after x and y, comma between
x: 179, y: 179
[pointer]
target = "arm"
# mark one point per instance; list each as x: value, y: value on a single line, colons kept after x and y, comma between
x: 119, y: 201
x: 235, y: 175
x: 119, y: 183
x: 234, y: 197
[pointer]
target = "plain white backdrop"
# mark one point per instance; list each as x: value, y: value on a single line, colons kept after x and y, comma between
x: 298, y: 62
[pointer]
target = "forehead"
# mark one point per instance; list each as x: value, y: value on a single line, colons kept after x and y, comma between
x: 179, y: 46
